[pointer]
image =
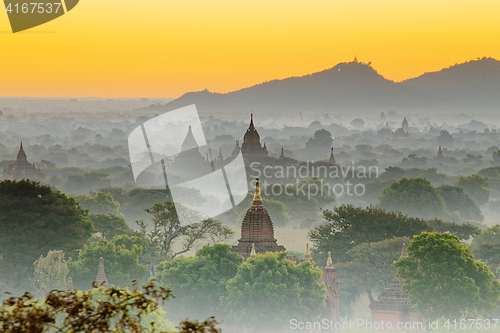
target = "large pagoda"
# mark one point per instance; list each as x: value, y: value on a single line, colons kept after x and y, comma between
x: 257, y: 228
x: 251, y: 147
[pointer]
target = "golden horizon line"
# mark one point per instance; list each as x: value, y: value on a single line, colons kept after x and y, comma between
x: 255, y: 84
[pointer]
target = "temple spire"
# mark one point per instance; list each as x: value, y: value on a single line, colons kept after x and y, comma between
x: 251, y: 127
x: 21, y: 155
x: 307, y: 256
x: 404, y: 252
x: 101, y: 275
x: 256, y: 196
x: 253, y: 254
x: 332, y: 158
x: 189, y: 141
x: 329, y: 263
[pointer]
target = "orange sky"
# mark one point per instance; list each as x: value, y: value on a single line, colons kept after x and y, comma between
x: 159, y: 48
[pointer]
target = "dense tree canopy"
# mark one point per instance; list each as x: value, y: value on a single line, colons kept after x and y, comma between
x: 463, y: 231
x: 458, y: 200
x: 476, y: 186
x: 110, y: 225
x: 486, y: 247
x: 121, y: 264
x: 349, y: 226
x: 445, y: 139
x: 443, y: 279
x: 198, y: 282
x: 34, y: 220
x: 415, y: 197
x: 321, y: 139
x: 99, y: 203
x: 269, y: 290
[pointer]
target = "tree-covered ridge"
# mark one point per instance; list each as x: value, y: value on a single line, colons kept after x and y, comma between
x: 34, y: 220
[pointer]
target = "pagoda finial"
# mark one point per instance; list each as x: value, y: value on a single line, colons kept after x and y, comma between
x: 256, y: 195
x: 251, y: 127
x: 253, y: 254
x: 21, y: 145
x: 307, y: 256
x: 404, y: 252
x: 329, y: 263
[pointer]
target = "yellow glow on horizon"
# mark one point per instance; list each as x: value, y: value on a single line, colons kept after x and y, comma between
x: 163, y: 48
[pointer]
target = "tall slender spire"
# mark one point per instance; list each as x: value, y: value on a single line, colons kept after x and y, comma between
x: 332, y: 158
x: 404, y: 252
x: 253, y: 254
x: 251, y: 127
x: 101, y: 275
x: 21, y: 155
x: 256, y: 196
x: 307, y: 256
x: 189, y: 141
x: 329, y: 263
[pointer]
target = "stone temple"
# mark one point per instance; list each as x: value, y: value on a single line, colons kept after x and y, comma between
x: 251, y: 148
x: 257, y: 228
x: 393, y: 305
x: 22, y: 168
x: 257, y: 237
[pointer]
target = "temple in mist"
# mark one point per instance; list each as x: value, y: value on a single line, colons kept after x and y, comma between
x: 393, y: 305
x: 257, y: 230
x: 22, y: 168
x: 440, y: 155
x: 257, y: 237
x: 251, y: 147
x: 402, y: 133
x: 190, y: 163
x: 100, y: 280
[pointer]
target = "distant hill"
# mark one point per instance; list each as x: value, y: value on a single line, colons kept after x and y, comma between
x: 356, y: 86
x: 471, y: 85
